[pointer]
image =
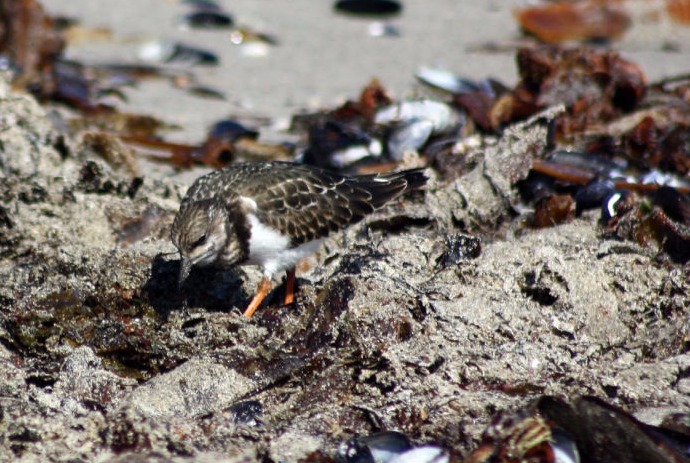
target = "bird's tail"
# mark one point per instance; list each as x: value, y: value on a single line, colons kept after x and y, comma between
x: 385, y: 187
x: 414, y: 178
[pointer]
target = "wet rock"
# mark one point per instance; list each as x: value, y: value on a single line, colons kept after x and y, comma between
x: 83, y: 384
x: 14, y: 383
x: 27, y: 138
x: 293, y: 446
x: 192, y: 389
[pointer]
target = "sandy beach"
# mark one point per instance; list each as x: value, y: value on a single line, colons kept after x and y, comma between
x: 323, y: 57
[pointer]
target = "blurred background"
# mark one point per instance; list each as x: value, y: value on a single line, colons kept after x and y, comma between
x: 310, y: 54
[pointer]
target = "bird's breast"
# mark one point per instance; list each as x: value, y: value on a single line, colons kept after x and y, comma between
x: 271, y: 249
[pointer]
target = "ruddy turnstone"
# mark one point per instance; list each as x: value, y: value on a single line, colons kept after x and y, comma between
x: 273, y: 214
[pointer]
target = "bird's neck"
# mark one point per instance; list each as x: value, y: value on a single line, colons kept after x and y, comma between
x: 238, y: 230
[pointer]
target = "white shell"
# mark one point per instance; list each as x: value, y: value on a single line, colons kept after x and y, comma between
x: 564, y: 448
x: 155, y: 51
x: 441, y: 116
x: 424, y: 454
x: 410, y: 137
x: 442, y: 79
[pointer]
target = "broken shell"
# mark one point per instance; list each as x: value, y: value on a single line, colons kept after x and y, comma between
x: 553, y: 210
x: 177, y: 53
x: 451, y: 83
x: 409, y: 137
x: 536, y: 187
x: 337, y: 145
x: 441, y: 116
x: 414, y: 122
x: 383, y: 29
x: 442, y: 79
x: 524, y: 436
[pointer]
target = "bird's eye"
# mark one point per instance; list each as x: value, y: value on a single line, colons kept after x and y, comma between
x: 200, y: 241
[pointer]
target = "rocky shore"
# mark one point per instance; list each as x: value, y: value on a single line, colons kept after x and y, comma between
x: 406, y: 322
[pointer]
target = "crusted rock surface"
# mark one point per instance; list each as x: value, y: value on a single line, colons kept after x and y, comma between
x: 395, y: 326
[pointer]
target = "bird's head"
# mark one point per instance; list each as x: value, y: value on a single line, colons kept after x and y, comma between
x: 200, y: 232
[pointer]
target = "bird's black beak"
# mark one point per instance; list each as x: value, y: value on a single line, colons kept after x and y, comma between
x: 185, y: 268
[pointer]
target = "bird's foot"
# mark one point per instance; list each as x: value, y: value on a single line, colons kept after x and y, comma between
x: 290, y: 287
x: 261, y: 293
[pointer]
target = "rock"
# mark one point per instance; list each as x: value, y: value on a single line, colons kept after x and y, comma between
x: 29, y: 144
x: 84, y: 384
x: 102, y: 358
x: 195, y: 388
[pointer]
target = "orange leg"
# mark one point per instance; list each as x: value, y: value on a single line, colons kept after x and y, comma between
x: 290, y: 287
x: 261, y: 292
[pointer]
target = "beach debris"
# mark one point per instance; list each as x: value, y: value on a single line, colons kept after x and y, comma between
x: 582, y: 20
x: 176, y: 53
x: 372, y: 8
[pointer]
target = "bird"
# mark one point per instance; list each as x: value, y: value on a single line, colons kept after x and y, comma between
x: 273, y: 214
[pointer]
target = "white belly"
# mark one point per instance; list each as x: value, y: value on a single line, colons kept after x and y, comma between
x: 271, y: 250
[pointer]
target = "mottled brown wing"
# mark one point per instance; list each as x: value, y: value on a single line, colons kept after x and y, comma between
x: 307, y: 203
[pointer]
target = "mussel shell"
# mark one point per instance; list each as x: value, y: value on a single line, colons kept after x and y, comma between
x: 609, y: 208
x: 424, y: 454
x: 603, y: 432
x: 444, y: 80
x: 387, y: 445
x: 380, y: 447
x: 442, y: 117
x: 334, y: 144
x: 206, y: 5
x: 368, y: 7
x: 593, y: 195
x: 177, y: 53
x: 207, y: 19
x: 192, y: 55
x: 229, y: 130
x: 563, y: 447
x: 675, y: 204
x: 353, y: 154
x: 248, y: 413
x: 410, y: 136
x: 536, y: 187
x: 599, y: 165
